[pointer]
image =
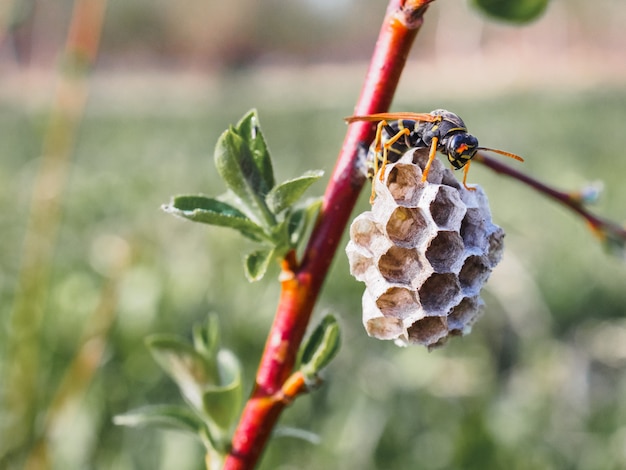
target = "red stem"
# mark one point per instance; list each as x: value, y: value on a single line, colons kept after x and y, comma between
x: 301, y: 284
x: 601, y: 227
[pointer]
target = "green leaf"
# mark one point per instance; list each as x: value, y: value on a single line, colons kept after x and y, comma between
x: 297, y: 433
x: 214, y: 212
x: 286, y: 194
x: 517, y: 11
x: 249, y: 129
x: 300, y: 219
x: 206, y: 337
x: 188, y: 368
x: 257, y: 262
x: 321, y: 347
x: 165, y: 416
x: 239, y: 170
x: 223, y: 404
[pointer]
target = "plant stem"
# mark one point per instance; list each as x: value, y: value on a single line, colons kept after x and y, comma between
x: 603, y: 228
x: 301, y: 287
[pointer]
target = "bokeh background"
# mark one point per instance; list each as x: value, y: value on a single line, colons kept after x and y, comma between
x: 539, y: 384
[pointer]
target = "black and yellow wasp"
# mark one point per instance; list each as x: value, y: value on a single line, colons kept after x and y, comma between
x: 439, y: 130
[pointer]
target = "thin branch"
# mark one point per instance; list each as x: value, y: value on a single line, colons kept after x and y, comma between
x: 301, y: 287
x: 605, y: 229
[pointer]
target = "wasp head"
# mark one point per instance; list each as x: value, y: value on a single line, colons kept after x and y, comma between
x: 460, y: 148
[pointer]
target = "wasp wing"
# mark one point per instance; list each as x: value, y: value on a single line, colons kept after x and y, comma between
x: 425, y: 117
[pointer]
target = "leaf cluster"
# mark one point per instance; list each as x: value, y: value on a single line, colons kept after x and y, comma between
x: 258, y: 208
x: 209, y: 380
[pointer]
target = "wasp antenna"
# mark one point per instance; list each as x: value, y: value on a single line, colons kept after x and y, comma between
x: 502, y: 152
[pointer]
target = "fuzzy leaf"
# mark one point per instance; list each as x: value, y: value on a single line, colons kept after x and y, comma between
x: 188, y: 368
x: 214, y: 212
x: 167, y: 416
x: 223, y: 403
x: 321, y: 347
x: 286, y: 194
x: 297, y: 433
x: 238, y: 168
x: 206, y: 337
x: 300, y: 219
x: 249, y: 129
x: 518, y: 11
x: 257, y: 262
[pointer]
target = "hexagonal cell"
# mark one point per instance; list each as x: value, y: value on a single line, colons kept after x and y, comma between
x: 477, y: 198
x: 420, y: 158
x: 406, y: 226
x: 474, y: 274
x: 384, y: 327
x: 447, y: 209
x: 444, y: 251
x: 439, y: 293
x: 464, y: 315
x: 376, y: 324
x: 449, y: 179
x: 396, y: 301
x: 399, y: 264
x: 474, y: 198
x: 428, y: 330
x: 360, y: 260
x: 405, y: 182
x: 363, y: 229
x: 496, y: 246
x: 473, y: 229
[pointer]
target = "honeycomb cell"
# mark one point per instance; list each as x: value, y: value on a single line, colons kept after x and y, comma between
x: 397, y: 301
x: 446, y: 208
x: 384, y: 327
x: 399, y: 264
x: 376, y: 324
x: 464, y: 315
x: 404, y: 183
x: 420, y: 158
x: 450, y: 180
x: 473, y: 229
x: 363, y: 229
x: 406, y: 226
x: 496, y: 247
x: 444, y: 251
x: 360, y: 260
x: 474, y: 273
x: 439, y: 293
x: 428, y: 331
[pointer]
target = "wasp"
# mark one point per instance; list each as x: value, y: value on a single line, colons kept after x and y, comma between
x: 440, y: 131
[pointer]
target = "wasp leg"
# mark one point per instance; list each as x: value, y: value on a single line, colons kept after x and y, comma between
x: 387, y: 145
x: 377, y: 149
x: 431, y: 157
x: 385, y: 150
x: 465, y: 170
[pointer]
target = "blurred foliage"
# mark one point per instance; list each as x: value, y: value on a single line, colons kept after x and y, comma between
x: 519, y: 12
x: 255, y: 206
x: 542, y: 371
x: 539, y: 384
x: 242, y: 33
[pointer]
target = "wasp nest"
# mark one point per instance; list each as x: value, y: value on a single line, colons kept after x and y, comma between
x: 424, y: 252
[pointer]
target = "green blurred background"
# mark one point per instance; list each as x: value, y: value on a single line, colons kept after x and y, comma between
x: 541, y: 381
